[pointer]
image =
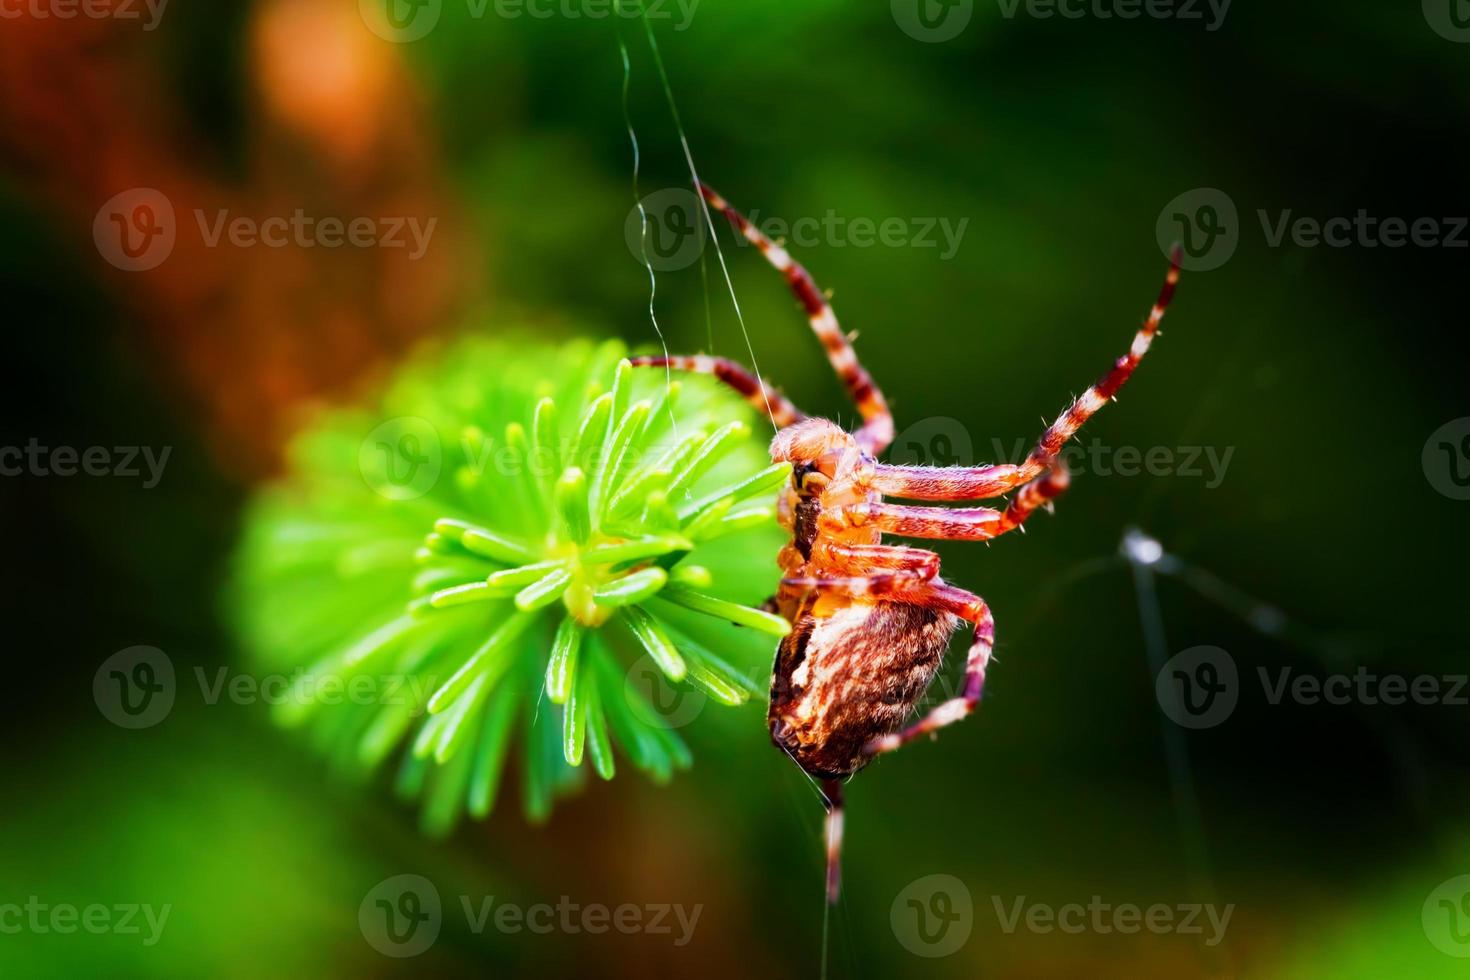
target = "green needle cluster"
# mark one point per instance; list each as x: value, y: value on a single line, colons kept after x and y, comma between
x: 493, y: 551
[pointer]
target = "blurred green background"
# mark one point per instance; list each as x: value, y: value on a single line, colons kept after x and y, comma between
x: 1060, y: 142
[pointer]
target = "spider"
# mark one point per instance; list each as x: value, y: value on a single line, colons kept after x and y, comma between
x: 871, y: 621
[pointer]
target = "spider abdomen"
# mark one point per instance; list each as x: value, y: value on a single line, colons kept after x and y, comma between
x: 848, y: 676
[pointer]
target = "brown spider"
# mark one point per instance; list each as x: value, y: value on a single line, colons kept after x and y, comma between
x: 871, y: 621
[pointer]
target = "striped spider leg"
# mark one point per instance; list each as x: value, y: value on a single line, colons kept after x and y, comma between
x: 877, y: 429
x: 983, y: 482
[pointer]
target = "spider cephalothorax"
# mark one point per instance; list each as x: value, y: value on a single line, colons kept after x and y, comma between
x: 871, y: 621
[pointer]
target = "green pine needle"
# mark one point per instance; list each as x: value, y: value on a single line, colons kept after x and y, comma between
x: 485, y: 555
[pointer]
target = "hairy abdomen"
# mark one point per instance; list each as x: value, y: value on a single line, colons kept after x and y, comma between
x: 846, y: 678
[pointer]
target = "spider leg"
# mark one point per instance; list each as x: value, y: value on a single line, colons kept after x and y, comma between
x: 873, y: 584
x: 857, y: 571
x: 972, y: 608
x: 961, y: 524
x: 859, y: 559
x: 981, y: 482
x: 756, y: 392
x: 864, y: 570
x: 877, y: 430
x: 832, y: 794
